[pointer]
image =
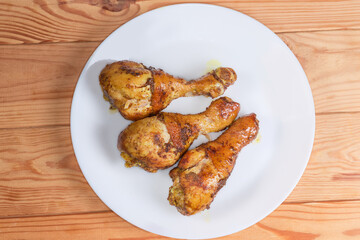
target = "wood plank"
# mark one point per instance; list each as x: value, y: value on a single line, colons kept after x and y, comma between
x: 41, y: 78
x: 334, y: 220
x: 38, y: 84
x: 39, y: 173
x: 89, y: 20
x: 332, y: 64
x: 333, y: 171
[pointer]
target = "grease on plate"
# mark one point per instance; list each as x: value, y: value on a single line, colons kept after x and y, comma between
x: 112, y: 110
x: 212, y: 64
x: 258, y: 138
x: 207, y: 216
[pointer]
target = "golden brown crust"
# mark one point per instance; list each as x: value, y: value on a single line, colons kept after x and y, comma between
x: 203, y: 171
x: 179, y: 129
x: 127, y: 86
x: 147, y: 144
x: 158, y: 142
x: 137, y: 91
x: 165, y: 89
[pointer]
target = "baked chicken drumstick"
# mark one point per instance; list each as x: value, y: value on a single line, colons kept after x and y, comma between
x: 203, y: 171
x: 158, y: 142
x: 138, y: 91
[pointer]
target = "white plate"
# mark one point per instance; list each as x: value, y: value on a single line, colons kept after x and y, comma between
x: 182, y: 40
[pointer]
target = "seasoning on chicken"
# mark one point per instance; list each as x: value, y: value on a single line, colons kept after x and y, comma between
x: 158, y: 142
x: 203, y: 171
x: 138, y: 91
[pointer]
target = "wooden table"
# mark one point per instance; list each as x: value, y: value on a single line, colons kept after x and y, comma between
x: 44, y: 46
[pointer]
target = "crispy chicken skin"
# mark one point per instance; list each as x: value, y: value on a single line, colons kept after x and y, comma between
x: 158, y: 142
x: 138, y: 91
x: 203, y: 171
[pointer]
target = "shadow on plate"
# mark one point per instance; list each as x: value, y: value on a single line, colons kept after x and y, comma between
x: 111, y: 122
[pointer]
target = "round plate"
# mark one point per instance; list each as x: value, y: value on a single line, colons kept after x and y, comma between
x: 186, y: 40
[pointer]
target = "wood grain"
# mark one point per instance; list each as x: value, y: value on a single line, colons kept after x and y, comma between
x: 334, y: 220
x: 39, y: 173
x: 39, y: 82
x: 41, y: 78
x: 333, y: 171
x: 332, y: 64
x: 93, y: 20
x: 44, y: 45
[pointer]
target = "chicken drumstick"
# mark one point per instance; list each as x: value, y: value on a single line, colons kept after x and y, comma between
x: 158, y: 142
x: 203, y: 171
x: 137, y: 91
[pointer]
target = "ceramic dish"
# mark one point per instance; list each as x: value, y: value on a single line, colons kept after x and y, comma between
x: 186, y: 40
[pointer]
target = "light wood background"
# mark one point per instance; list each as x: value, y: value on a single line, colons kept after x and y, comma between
x: 45, y: 43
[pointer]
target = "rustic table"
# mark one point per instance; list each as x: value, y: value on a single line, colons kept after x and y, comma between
x: 44, y: 46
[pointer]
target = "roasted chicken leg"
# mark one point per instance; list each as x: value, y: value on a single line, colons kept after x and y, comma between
x: 137, y: 91
x: 158, y: 142
x: 203, y: 171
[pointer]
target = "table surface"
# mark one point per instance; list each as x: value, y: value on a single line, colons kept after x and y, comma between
x: 43, y: 48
